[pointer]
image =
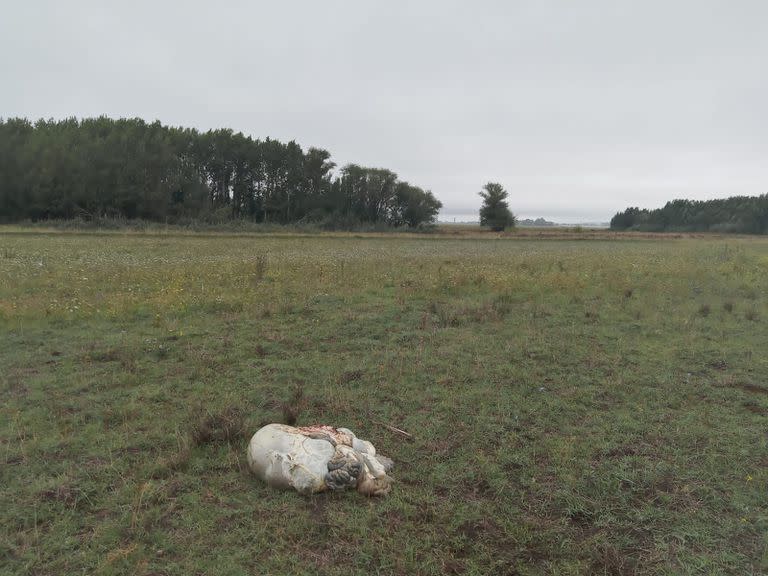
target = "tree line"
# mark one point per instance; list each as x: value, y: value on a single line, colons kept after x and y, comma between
x: 132, y: 169
x: 738, y: 214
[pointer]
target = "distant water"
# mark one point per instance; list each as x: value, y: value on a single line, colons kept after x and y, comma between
x: 559, y: 219
x: 458, y: 217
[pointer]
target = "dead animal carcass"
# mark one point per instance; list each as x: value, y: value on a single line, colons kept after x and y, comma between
x: 317, y: 458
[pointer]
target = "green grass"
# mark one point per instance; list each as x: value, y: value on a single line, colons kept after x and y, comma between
x: 577, y: 407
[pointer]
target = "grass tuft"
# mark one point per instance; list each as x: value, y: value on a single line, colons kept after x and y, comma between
x: 227, y: 425
x: 294, y: 406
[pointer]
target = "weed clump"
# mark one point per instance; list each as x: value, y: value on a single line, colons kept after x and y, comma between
x: 219, y: 427
x: 704, y: 310
x: 591, y: 315
x: 502, y: 304
x: 294, y: 406
x: 63, y: 493
x: 447, y: 317
x: 350, y: 376
x: 260, y: 269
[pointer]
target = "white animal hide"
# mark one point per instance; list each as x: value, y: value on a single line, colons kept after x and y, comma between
x: 317, y: 458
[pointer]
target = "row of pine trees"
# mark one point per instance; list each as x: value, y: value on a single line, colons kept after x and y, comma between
x: 131, y: 169
x: 738, y: 214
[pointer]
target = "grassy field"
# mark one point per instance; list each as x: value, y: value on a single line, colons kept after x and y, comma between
x: 576, y: 406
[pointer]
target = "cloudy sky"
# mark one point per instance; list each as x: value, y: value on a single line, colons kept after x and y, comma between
x: 579, y: 108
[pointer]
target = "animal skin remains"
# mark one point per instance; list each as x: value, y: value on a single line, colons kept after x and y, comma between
x: 313, y: 459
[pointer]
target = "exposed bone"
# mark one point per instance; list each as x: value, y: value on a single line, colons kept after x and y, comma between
x: 393, y: 429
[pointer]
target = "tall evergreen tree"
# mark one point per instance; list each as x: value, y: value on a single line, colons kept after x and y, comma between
x: 495, y: 212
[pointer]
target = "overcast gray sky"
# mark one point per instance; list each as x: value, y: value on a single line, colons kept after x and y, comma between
x: 579, y: 108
